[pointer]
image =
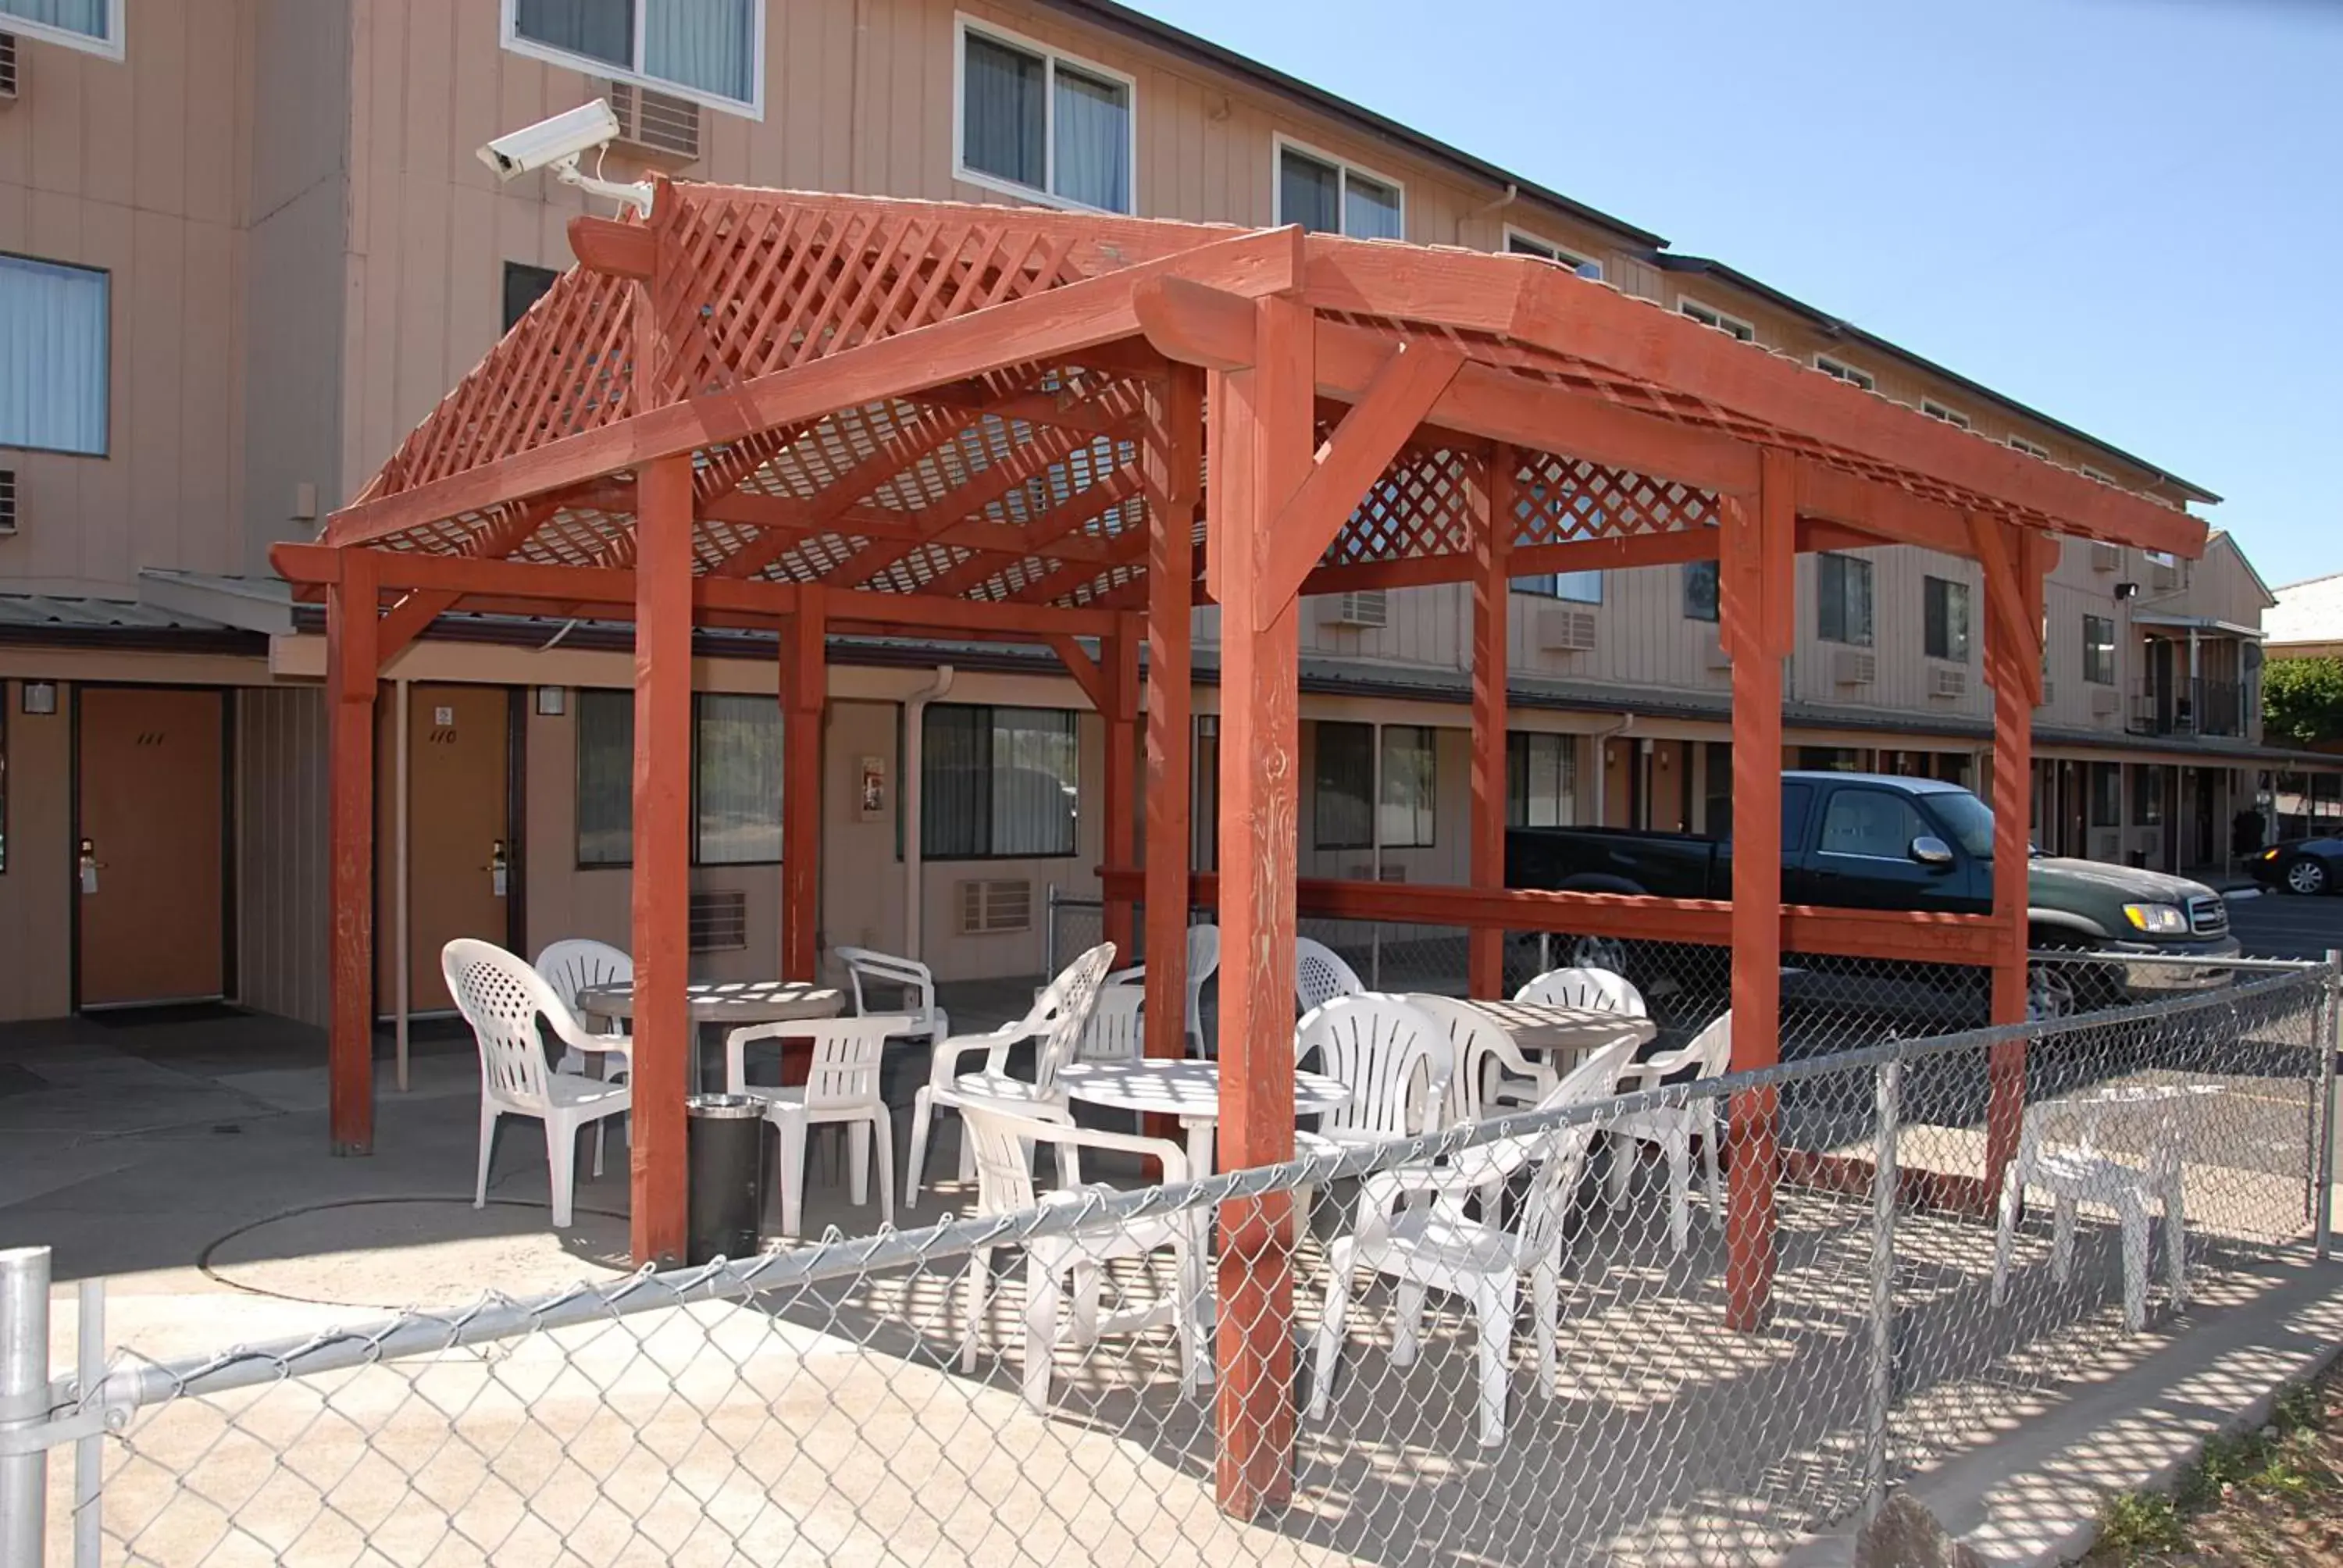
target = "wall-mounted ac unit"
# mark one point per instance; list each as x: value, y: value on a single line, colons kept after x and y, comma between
x: 2107, y: 847
x: 1853, y: 666
x: 1945, y: 682
x: 656, y: 125
x: 2106, y: 557
x: 8, y: 500
x: 992, y: 906
x: 1566, y: 630
x: 10, y: 79
x: 2104, y: 701
x: 1369, y: 611
x: 719, y: 921
x: 2163, y: 574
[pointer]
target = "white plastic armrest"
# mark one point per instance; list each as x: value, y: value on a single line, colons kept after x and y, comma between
x: 1051, y: 1124
x: 947, y: 1054
x: 1381, y: 1190
x: 1509, y: 1055
x: 1638, y: 1076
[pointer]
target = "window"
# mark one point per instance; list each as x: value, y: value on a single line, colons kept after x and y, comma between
x: 1043, y: 123
x: 1840, y: 370
x: 2147, y: 794
x: 2030, y: 449
x: 4, y: 776
x: 1700, y: 590
x: 1326, y: 195
x: 736, y: 780
x: 1577, y: 587
x: 1873, y: 823
x: 1520, y: 244
x: 1204, y: 795
x: 52, y: 356
x: 523, y: 287
x: 710, y: 51
x: 2091, y: 473
x: 1843, y: 600
x: 1345, y: 782
x: 1945, y: 607
x: 1541, y: 781
x: 606, y: 778
x: 2106, y: 793
x: 1708, y: 315
x: 1935, y: 410
x: 2099, y: 651
x: 999, y: 783
x: 93, y: 27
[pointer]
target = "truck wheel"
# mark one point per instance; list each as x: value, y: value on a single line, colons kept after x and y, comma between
x: 2306, y: 876
x: 2050, y: 991
x: 1597, y: 953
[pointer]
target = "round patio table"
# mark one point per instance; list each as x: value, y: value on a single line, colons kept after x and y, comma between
x: 1190, y: 1090
x: 726, y: 1005
x: 1551, y: 1030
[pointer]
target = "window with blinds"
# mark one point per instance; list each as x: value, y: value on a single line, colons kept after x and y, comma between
x: 52, y: 356
x: 1541, y: 780
x: 999, y: 783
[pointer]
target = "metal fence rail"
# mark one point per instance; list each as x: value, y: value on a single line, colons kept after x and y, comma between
x: 843, y: 1402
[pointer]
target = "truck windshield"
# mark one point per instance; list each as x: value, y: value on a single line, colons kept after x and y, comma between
x: 1968, y: 818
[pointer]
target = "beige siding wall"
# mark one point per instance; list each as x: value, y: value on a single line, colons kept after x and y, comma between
x: 36, y: 919
x: 281, y: 805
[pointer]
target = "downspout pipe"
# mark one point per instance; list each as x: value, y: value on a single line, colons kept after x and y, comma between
x: 907, y: 801
x: 1602, y: 738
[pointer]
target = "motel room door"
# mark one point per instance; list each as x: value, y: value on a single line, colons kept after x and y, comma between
x: 150, y: 807
x: 463, y: 866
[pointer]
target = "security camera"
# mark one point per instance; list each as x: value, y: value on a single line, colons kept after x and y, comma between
x: 558, y: 144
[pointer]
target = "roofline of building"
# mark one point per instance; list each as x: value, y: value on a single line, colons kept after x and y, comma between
x: 2228, y: 537
x: 1838, y: 327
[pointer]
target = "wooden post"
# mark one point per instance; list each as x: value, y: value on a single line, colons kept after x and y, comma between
x: 350, y: 670
x: 1757, y: 558
x: 663, y: 1051
x: 1261, y: 450
x: 805, y: 684
x: 1494, y: 525
x: 1119, y: 656
x: 2012, y: 562
x: 1169, y: 455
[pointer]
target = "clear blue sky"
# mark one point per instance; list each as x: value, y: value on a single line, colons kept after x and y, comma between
x: 2126, y: 213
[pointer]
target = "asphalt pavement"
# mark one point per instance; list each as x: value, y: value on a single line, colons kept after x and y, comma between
x: 2284, y: 926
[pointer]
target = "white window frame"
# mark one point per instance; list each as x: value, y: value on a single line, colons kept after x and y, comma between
x: 2104, y: 479
x: 105, y: 448
x: 2031, y: 449
x: 1049, y: 55
x: 1278, y: 143
x: 508, y: 26
x: 1541, y: 246
x: 110, y: 48
x: 1840, y: 370
x: 1945, y: 414
x: 1732, y: 326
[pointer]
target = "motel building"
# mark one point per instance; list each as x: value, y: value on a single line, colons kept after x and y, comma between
x: 246, y: 248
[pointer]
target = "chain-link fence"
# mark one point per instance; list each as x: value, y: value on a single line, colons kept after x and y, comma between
x: 1529, y: 1367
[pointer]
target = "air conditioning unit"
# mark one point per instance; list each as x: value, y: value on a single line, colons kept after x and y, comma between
x: 656, y: 125
x: 1370, y: 610
x: 993, y: 906
x: 8, y: 500
x: 2163, y: 574
x: 2104, y: 701
x: 1853, y: 666
x: 1948, y: 682
x: 9, y: 78
x: 719, y: 921
x: 2106, y: 557
x: 1566, y: 630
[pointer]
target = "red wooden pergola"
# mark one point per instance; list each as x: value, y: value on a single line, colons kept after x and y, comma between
x: 843, y: 414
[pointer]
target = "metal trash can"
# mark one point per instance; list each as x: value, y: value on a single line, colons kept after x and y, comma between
x: 725, y: 1159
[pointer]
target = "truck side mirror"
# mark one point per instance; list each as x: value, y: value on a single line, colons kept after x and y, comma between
x: 1931, y: 850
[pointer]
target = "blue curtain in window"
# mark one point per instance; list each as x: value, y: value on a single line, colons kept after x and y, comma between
x: 1005, y: 118
x: 1093, y: 151
x: 53, y: 354
x: 709, y: 44
x: 86, y: 17
x: 598, y: 29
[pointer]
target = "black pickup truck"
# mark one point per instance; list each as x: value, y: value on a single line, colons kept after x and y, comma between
x: 1869, y: 841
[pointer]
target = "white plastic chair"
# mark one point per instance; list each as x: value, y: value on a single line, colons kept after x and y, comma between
x: 1204, y: 958
x: 572, y: 965
x: 1596, y: 991
x: 502, y: 998
x: 1003, y: 1138
x: 2075, y: 1171
x: 1434, y: 1246
x: 1394, y: 1057
x: 1117, y: 1028
x: 841, y: 1086
x: 912, y: 983
x: 1055, y: 1025
x: 1320, y: 975
x: 1674, y: 1127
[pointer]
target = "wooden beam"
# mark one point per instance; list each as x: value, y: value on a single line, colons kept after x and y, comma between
x: 1409, y: 381
x: 1259, y: 450
x: 805, y: 687
x: 1085, y: 671
x: 1492, y: 527
x: 2011, y: 564
x: 351, y: 662
x: 664, y: 1047
x: 409, y: 619
x: 1120, y: 679
x: 1191, y: 322
x: 1875, y: 506
x: 1619, y: 554
x: 1059, y: 322
x: 791, y: 520
x: 1170, y: 449
x: 621, y: 249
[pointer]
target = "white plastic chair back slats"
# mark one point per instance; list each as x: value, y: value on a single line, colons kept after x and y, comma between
x: 574, y: 964
x: 1320, y: 975
x: 909, y: 987
x: 1116, y: 1032
x: 1597, y: 990
x: 1203, y: 961
x: 1064, y: 1011
x: 844, y: 1070
x: 1004, y: 1161
x: 1474, y: 1040
x: 1564, y: 1151
x: 502, y: 998
x: 1394, y: 1057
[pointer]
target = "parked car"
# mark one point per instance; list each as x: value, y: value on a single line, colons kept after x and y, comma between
x: 1855, y: 841
x: 2305, y: 865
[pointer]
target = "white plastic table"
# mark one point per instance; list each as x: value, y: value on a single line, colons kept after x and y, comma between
x: 1553, y: 1030
x: 1190, y: 1090
x: 724, y: 1005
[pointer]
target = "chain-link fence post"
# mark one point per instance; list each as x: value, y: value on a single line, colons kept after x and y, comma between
x: 24, y: 1404
x: 89, y: 1451
x: 2329, y: 1035
x: 1050, y: 931
x: 1889, y: 1096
